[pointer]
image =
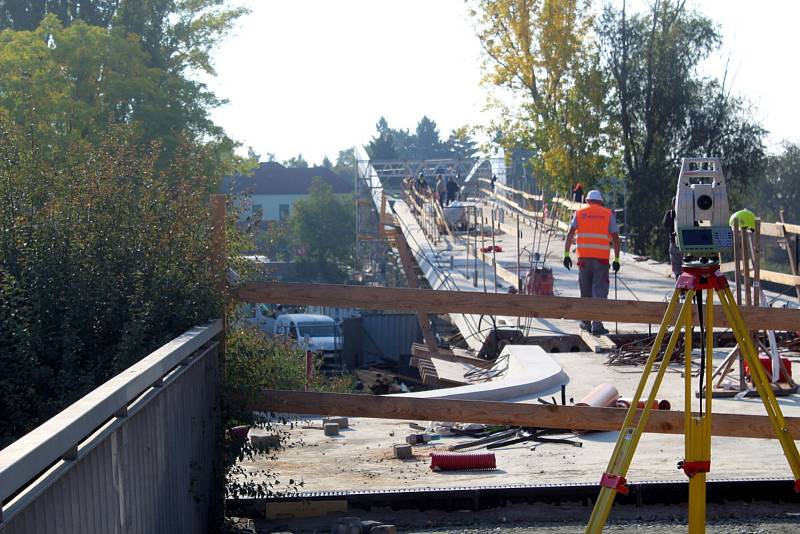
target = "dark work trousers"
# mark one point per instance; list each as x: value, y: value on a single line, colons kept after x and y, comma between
x: 593, y: 280
x: 675, y: 259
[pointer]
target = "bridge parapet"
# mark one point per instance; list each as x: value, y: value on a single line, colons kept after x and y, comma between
x: 134, y: 455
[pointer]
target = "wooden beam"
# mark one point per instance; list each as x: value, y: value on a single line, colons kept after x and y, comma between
x: 511, y: 189
x: 436, y: 301
x: 792, y: 261
x: 769, y: 276
x: 407, y: 260
x: 777, y: 229
x: 501, y: 413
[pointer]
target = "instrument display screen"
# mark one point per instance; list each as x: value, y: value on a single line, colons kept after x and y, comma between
x: 701, y: 237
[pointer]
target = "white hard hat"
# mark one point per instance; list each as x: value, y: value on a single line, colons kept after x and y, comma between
x: 594, y: 194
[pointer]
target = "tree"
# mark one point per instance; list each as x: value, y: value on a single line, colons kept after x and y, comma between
x: 542, y: 53
x: 382, y: 145
x: 166, y: 41
x: 780, y: 188
x: 28, y: 14
x: 296, y: 162
x: 461, y: 144
x: 664, y: 110
x: 326, y: 162
x: 103, y: 257
x: 323, y: 227
x: 346, y: 162
x: 427, y: 144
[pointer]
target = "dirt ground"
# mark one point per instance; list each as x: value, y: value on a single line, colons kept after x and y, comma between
x: 360, y: 458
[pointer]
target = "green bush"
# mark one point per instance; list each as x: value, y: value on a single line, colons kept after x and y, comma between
x: 104, y: 256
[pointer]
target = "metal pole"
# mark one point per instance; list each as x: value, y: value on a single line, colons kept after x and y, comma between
x: 483, y: 251
x: 475, y: 244
x: 355, y: 186
x: 494, y: 256
x: 519, y: 272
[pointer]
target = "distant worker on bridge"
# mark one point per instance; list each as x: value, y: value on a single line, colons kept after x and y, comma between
x: 593, y: 227
x: 441, y: 190
x: 421, y: 184
x: 577, y: 193
x: 452, y: 190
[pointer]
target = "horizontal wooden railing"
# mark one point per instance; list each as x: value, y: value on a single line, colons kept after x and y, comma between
x: 412, y: 300
x: 502, y: 413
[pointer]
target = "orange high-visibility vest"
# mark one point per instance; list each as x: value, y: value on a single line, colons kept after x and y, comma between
x: 591, y: 232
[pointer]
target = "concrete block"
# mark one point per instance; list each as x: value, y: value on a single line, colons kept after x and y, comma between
x: 383, y: 529
x: 331, y: 429
x: 402, y: 451
x: 341, y: 421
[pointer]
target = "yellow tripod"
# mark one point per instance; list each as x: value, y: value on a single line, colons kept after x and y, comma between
x: 695, y: 278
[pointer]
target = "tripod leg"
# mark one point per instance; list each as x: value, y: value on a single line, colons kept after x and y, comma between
x: 613, y: 480
x: 697, y: 430
x: 734, y: 317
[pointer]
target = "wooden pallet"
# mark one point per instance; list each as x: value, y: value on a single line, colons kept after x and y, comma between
x: 598, y: 343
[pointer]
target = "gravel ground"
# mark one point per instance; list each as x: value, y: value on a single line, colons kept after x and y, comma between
x: 739, y: 518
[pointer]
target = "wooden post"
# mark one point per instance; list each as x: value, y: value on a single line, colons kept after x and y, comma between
x: 406, y: 260
x: 757, y: 263
x: 746, y: 266
x: 382, y: 216
x: 790, y: 252
x: 737, y: 257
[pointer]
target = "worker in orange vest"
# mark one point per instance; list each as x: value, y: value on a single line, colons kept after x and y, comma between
x: 593, y: 228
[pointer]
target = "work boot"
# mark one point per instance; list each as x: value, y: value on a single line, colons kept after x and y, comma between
x: 586, y: 325
x: 599, y: 330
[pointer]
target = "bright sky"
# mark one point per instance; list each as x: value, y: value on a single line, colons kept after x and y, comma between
x: 314, y: 76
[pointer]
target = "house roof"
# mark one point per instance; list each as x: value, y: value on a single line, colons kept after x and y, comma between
x: 272, y: 178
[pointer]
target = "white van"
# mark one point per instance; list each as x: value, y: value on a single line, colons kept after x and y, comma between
x: 321, y: 332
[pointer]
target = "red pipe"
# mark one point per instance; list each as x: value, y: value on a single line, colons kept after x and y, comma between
x: 602, y: 396
x: 657, y: 404
x: 454, y: 461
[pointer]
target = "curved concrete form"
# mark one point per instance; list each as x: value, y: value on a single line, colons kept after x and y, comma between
x: 527, y: 372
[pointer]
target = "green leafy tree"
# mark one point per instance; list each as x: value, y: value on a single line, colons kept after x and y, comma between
x: 779, y: 190
x: 107, y: 62
x: 346, y: 162
x: 323, y: 227
x: 665, y: 110
x: 103, y: 257
x: 427, y: 143
x: 541, y: 51
x: 382, y: 146
x: 297, y: 162
x: 461, y: 144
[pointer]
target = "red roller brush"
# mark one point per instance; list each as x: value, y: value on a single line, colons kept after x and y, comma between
x: 453, y: 461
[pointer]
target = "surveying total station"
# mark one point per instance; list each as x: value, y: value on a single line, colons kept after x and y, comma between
x: 701, y: 226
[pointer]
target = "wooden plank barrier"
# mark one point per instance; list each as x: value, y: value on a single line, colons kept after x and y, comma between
x: 437, y: 301
x: 500, y: 413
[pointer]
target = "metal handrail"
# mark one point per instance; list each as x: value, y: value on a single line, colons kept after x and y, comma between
x: 57, y: 437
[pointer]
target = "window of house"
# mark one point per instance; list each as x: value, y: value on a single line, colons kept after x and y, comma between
x: 283, y: 211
